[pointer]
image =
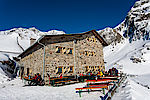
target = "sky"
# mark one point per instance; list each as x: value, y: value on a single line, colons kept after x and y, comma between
x: 70, y: 16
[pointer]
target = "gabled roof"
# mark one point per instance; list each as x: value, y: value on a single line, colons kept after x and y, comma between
x: 65, y: 35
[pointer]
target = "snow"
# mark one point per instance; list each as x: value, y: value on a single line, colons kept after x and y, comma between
x: 130, y: 90
x: 9, y: 43
x: 9, y: 39
x: 134, y: 88
x: 137, y: 86
x: 3, y: 57
x: 141, y: 6
x: 14, y: 90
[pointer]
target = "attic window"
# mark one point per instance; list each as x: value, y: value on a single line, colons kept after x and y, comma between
x: 88, y: 39
x: 91, y: 39
x: 94, y: 40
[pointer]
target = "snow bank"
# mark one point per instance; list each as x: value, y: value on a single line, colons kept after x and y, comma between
x: 3, y: 57
x: 46, y: 93
x: 130, y: 90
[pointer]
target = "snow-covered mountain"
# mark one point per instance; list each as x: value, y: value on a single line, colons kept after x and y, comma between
x: 135, y: 26
x: 15, y: 41
x: 133, y: 33
x: 110, y: 35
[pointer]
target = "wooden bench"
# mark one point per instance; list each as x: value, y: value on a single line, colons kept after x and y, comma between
x: 54, y: 81
x: 61, y: 82
x: 58, y: 78
x: 89, y: 89
x: 99, y: 85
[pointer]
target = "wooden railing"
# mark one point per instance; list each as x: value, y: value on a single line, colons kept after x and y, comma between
x: 113, y: 89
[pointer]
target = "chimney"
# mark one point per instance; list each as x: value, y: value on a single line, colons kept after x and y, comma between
x: 32, y: 41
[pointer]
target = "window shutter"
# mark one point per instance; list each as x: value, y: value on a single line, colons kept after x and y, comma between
x: 56, y: 70
x: 64, y: 69
x: 68, y: 50
x: 56, y: 49
x: 63, y: 50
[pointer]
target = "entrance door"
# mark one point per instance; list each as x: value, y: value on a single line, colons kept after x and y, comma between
x: 27, y: 71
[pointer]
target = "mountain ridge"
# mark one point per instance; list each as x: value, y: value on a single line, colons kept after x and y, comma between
x: 135, y: 26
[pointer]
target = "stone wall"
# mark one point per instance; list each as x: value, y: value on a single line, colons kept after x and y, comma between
x: 73, y: 54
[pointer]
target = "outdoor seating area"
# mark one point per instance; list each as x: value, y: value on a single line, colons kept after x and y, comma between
x: 110, y: 76
x: 34, y: 80
x: 103, y: 83
x: 60, y: 81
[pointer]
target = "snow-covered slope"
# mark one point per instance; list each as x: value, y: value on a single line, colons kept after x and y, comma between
x: 132, y: 54
x: 130, y: 90
x: 134, y: 47
x: 14, y: 41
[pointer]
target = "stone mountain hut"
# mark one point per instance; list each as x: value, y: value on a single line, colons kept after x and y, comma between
x: 66, y: 54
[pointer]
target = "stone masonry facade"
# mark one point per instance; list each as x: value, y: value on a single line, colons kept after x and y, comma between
x: 66, y: 55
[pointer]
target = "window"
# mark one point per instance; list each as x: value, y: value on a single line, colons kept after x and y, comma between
x: 99, y: 68
x: 63, y: 50
x: 71, y: 69
x: 59, y: 70
x: 91, y: 39
x: 90, y: 54
x: 86, y: 68
x: 94, y: 40
x: 96, y: 68
x: 92, y: 68
x: 58, y: 49
x: 85, y: 52
x: 71, y: 51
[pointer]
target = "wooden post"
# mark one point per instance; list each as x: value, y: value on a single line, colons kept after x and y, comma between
x: 80, y: 93
x: 103, y: 91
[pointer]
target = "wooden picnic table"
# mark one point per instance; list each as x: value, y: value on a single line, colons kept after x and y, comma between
x: 102, y: 80
x: 56, y: 81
